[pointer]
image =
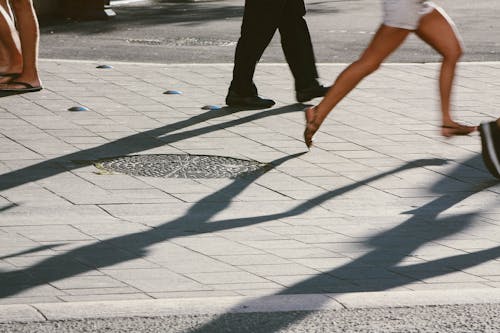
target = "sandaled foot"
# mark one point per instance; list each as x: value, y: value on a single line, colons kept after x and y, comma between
x: 311, y: 126
x: 7, y: 77
x: 18, y: 86
x: 457, y: 129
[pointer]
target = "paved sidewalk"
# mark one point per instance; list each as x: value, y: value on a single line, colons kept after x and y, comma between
x: 381, y: 202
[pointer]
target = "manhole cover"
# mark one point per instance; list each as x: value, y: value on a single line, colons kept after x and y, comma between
x: 180, y: 166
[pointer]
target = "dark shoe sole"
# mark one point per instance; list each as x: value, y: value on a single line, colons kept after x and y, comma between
x: 490, y: 147
x: 308, y: 94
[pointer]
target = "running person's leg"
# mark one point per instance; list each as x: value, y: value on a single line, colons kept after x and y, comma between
x: 386, y: 40
x: 437, y: 30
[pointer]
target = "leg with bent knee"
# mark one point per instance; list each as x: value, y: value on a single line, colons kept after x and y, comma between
x: 437, y: 30
x: 386, y: 40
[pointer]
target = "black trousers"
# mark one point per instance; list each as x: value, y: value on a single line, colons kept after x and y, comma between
x: 261, y: 19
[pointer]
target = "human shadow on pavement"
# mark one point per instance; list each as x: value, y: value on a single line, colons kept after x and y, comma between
x: 382, y: 268
x: 135, y: 143
x: 197, y: 220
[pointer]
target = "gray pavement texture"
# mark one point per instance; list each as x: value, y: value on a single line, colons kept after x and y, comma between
x: 382, y: 203
x: 448, y: 319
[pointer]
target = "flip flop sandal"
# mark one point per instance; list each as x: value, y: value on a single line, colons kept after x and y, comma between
x: 27, y: 87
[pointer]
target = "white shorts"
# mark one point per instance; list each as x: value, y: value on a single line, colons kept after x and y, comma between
x: 405, y: 14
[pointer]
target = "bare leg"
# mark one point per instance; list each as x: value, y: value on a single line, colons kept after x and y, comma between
x: 386, y: 40
x: 437, y: 30
x: 10, y: 47
x: 27, y: 26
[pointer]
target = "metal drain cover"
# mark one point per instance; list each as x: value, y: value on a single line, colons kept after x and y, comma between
x: 180, y: 166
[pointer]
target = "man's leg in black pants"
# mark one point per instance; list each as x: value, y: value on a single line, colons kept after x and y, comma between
x: 260, y: 21
x: 298, y: 49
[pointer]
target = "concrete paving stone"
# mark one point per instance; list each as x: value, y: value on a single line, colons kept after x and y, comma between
x: 167, y: 212
x: 326, y: 237
x: 110, y: 258
x: 301, y: 194
x: 49, y: 233
x: 448, y: 286
x: 369, y: 273
x: 297, y: 230
x: 278, y: 269
x: 109, y: 297
x: 258, y: 194
x: 436, y: 250
x: 101, y: 291
x: 469, y: 244
x: 276, y: 244
x: 30, y: 289
x: 46, y: 261
x: 35, y: 197
x: 225, y: 277
x: 326, y: 265
x: 300, y: 284
x: 248, y: 234
x: 255, y: 259
x: 167, y: 285
x: 15, y: 277
x: 22, y: 154
x: 278, y: 182
x: 485, y: 269
x: 140, y: 196
x: 65, y: 247
x: 195, y: 263
x: 396, y: 284
x: 29, y: 300
x: 193, y: 294
x: 127, y: 275
x: 323, y: 222
x: 15, y: 250
x: 237, y: 287
x: 86, y: 282
x: 47, y: 122
x: 260, y: 292
x: 303, y: 252
x: 47, y: 273
x: 85, y: 141
x: 451, y: 277
x: 217, y: 246
x: 110, y: 228
x: 196, y: 197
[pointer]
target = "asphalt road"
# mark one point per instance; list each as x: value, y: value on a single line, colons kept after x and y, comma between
x: 445, y: 319
x: 166, y: 31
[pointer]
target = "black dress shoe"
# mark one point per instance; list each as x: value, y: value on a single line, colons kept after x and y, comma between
x: 254, y: 101
x: 304, y: 95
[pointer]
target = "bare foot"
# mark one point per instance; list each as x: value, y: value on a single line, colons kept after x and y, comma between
x: 311, y: 126
x: 454, y: 129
